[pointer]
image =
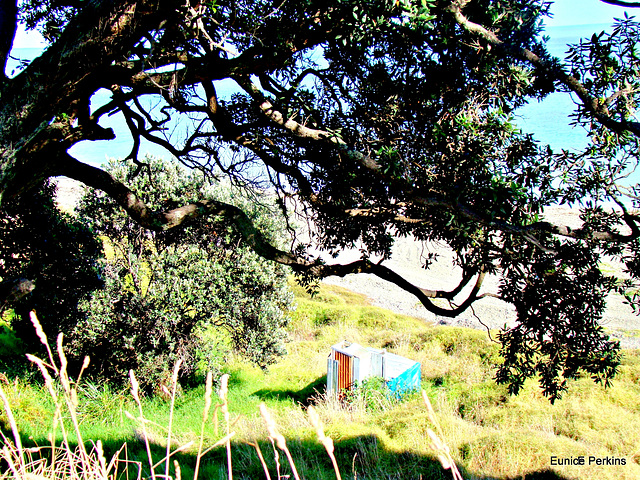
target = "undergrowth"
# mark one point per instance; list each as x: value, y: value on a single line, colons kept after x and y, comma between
x: 68, y: 455
x: 490, y: 434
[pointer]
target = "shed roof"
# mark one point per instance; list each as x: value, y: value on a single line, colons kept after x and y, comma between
x: 357, y: 350
x: 351, y: 349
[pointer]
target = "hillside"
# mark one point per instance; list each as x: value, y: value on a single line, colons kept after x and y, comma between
x: 490, y: 433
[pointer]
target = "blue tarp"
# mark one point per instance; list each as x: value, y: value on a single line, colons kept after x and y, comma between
x: 407, y: 381
x: 351, y: 364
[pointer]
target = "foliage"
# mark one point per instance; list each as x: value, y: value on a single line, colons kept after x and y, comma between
x: 376, y: 119
x: 562, y: 295
x: 54, y: 251
x: 490, y: 434
x: 372, y: 394
x: 164, y: 291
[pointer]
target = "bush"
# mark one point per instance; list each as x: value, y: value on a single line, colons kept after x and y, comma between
x: 164, y: 291
x: 373, y: 395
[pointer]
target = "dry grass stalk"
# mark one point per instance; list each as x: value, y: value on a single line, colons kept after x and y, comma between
x: 223, y: 441
x: 70, y: 393
x: 276, y: 457
x: 102, y: 461
x: 49, y: 384
x: 135, y: 393
x: 442, y: 450
x: 314, y: 418
x: 64, y: 462
x: 224, y: 407
x: 353, y: 466
x: 12, y: 422
x: 181, y: 448
x: 176, y: 466
x: 71, y: 398
x: 262, y: 461
x: 205, y: 416
x: 174, y: 386
x: 43, y: 339
x: 276, y: 436
x: 113, y: 468
x: 58, y: 462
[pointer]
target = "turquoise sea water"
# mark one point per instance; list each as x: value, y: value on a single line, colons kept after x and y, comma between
x: 550, y: 120
x: 547, y: 120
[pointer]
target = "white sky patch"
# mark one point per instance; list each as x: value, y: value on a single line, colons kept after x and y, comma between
x: 28, y: 39
x: 585, y: 12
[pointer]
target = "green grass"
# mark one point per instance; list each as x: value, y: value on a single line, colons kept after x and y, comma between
x: 490, y: 434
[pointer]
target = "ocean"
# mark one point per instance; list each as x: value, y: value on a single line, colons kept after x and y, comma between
x: 548, y: 120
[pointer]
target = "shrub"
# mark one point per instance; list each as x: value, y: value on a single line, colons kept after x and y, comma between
x: 164, y: 291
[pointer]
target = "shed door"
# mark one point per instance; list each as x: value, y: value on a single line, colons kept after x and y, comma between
x: 345, y: 371
x: 332, y: 375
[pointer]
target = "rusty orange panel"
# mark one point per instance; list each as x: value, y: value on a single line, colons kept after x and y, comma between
x: 344, y: 371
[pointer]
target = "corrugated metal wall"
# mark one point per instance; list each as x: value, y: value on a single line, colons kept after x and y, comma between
x: 400, y: 373
x: 377, y: 365
x: 332, y: 375
x: 345, y: 372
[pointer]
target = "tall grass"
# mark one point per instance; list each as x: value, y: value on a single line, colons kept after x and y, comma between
x: 75, y: 461
x: 489, y: 433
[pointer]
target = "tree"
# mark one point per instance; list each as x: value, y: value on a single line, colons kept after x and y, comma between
x: 377, y: 118
x: 180, y: 294
x: 56, y: 259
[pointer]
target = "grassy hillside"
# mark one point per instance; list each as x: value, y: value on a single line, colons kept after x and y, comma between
x: 490, y: 434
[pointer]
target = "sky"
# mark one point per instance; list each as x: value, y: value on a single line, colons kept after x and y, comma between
x: 566, y: 12
x: 585, y: 12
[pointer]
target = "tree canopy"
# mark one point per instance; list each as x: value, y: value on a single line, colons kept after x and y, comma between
x: 374, y: 119
x: 48, y: 262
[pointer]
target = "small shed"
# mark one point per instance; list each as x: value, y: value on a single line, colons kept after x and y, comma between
x: 350, y: 363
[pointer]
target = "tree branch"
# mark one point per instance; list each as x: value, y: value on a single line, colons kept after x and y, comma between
x: 68, y: 71
x: 621, y: 3
x: 369, y: 163
x: 164, y: 220
x: 593, y: 105
x: 8, y: 25
x: 13, y: 289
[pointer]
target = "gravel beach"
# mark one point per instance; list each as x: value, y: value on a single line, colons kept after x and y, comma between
x: 489, y: 312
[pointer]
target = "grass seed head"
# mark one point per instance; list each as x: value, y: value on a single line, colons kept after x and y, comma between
x: 38, y: 327
x: 272, y: 428
x: 208, y: 393
x: 135, y: 386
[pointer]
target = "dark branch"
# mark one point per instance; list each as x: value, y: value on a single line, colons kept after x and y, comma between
x: 13, y: 289
x: 67, y: 72
x: 621, y: 3
x: 164, y: 220
x: 369, y: 163
x: 596, y: 107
